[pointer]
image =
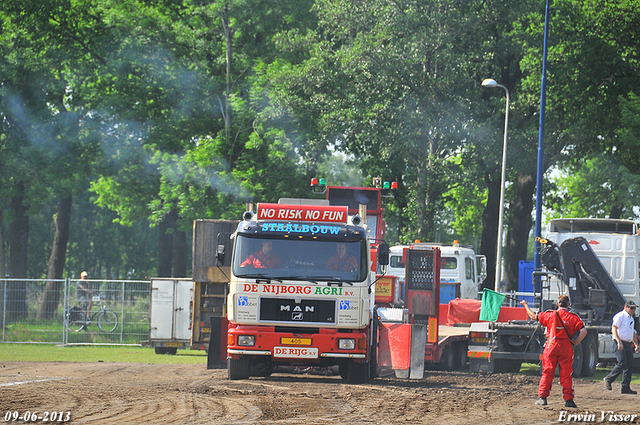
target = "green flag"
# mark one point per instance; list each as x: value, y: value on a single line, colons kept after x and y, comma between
x: 491, y: 303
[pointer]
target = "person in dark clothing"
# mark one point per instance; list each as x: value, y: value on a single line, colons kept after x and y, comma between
x: 625, y: 343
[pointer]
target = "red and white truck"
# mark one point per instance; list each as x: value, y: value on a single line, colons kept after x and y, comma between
x: 293, y: 300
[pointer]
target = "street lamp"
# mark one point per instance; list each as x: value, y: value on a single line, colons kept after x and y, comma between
x: 490, y: 82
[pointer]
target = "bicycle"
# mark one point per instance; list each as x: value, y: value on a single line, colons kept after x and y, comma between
x: 77, y: 320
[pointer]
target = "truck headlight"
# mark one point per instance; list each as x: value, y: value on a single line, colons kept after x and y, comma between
x: 346, y: 344
x: 246, y: 340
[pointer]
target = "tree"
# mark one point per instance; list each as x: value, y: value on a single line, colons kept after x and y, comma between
x: 595, y: 187
x: 397, y: 85
x: 589, y: 68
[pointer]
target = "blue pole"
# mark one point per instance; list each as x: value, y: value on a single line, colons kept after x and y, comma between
x: 543, y: 99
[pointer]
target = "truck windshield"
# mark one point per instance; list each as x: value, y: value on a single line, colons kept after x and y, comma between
x: 308, y: 259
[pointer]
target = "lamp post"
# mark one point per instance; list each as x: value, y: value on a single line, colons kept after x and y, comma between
x: 489, y: 82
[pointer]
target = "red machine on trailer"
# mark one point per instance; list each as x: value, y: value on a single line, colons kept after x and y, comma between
x: 413, y: 336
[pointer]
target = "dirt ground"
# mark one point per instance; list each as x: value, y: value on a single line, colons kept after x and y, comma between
x: 126, y: 393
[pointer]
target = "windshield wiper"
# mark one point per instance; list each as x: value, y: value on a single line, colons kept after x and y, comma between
x: 305, y: 279
x: 332, y: 280
x: 261, y: 278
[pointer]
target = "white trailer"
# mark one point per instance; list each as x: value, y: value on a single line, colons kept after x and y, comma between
x: 170, y: 314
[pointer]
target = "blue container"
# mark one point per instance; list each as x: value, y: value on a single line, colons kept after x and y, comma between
x: 525, y: 278
x: 448, y: 292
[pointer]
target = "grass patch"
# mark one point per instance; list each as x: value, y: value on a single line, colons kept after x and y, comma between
x: 109, y: 354
x: 601, y: 372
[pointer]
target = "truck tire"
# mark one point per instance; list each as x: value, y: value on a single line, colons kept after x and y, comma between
x: 513, y: 366
x: 263, y: 370
x: 636, y: 365
x: 449, y: 357
x: 461, y: 355
x: 238, y: 369
x: 507, y: 365
x: 373, y: 349
x: 589, y: 355
x: 343, y: 370
x: 577, y: 361
x: 160, y: 350
x: 358, y: 373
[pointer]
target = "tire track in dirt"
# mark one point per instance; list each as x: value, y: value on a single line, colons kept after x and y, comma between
x: 98, y: 393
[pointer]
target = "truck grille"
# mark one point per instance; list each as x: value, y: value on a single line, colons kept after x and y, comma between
x: 305, y: 311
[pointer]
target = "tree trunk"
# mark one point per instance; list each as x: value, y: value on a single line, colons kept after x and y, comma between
x: 165, y: 246
x: 424, y: 219
x: 52, y: 290
x: 3, y: 253
x: 19, y: 228
x: 520, y: 223
x: 489, y: 236
x: 179, y: 254
x: 425, y: 198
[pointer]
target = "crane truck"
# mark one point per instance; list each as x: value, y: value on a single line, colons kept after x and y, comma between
x: 595, y: 262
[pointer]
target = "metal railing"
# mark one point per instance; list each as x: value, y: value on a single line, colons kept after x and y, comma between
x: 37, y: 311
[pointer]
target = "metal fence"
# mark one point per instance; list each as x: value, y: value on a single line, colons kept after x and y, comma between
x: 46, y: 311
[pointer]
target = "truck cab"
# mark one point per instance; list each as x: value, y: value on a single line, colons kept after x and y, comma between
x: 301, y: 291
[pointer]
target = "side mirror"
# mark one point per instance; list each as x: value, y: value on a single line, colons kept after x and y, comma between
x: 383, y: 254
x: 220, y: 254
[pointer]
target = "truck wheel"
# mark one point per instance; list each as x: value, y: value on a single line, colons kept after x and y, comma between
x: 589, y: 355
x: 263, y: 370
x: 160, y: 350
x: 514, y: 366
x: 506, y: 366
x: 636, y: 365
x: 171, y: 351
x: 358, y: 373
x: 343, y: 369
x: 461, y: 348
x: 577, y: 361
x: 449, y: 357
x: 238, y: 369
x: 373, y: 350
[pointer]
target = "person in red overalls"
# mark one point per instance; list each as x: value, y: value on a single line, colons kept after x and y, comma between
x: 561, y: 325
x: 265, y: 258
x: 342, y: 261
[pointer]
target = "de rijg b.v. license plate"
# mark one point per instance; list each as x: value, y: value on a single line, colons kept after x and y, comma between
x: 296, y: 352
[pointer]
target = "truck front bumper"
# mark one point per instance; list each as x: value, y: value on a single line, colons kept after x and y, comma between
x: 289, y: 346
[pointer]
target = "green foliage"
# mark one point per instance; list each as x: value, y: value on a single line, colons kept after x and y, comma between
x: 140, y: 110
x: 595, y: 187
x: 53, y: 353
x: 628, y: 135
